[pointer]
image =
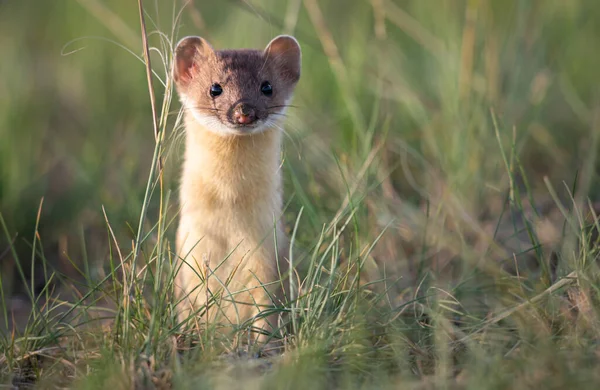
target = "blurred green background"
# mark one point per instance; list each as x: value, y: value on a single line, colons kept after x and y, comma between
x: 395, y: 101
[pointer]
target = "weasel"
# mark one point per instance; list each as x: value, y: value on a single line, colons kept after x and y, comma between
x: 230, y: 241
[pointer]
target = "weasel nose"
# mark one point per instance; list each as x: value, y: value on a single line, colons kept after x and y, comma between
x: 244, y: 114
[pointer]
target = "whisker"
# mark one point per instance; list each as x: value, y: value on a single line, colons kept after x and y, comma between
x: 283, y: 105
x: 295, y: 144
x: 201, y: 108
x: 193, y: 108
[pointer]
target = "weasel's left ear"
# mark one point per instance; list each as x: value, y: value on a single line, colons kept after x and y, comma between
x: 284, y: 51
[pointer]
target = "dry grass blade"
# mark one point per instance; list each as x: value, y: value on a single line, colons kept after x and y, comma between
x: 568, y: 280
x: 335, y: 60
x: 157, y: 137
x: 111, y: 20
x: 467, y: 50
x: 148, y: 69
x: 414, y: 29
x: 379, y: 14
x: 291, y: 16
x: 359, y: 177
x: 118, y: 249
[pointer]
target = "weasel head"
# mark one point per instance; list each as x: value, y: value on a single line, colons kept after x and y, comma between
x: 236, y: 92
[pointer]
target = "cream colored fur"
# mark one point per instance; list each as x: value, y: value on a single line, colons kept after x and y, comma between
x: 230, y: 209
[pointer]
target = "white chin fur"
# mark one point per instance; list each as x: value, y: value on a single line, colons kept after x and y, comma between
x: 216, y: 126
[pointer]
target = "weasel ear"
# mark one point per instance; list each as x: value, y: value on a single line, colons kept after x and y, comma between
x: 285, y: 52
x: 190, y: 53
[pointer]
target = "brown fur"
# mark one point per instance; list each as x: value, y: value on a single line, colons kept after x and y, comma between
x: 240, y: 73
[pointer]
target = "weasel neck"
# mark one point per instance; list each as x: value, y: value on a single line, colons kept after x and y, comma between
x: 229, y: 170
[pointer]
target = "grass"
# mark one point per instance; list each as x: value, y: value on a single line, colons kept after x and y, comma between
x: 440, y: 182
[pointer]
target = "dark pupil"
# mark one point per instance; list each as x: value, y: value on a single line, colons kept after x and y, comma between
x: 215, y: 90
x: 266, y: 88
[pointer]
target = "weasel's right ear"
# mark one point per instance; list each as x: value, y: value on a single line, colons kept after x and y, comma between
x: 190, y: 53
x: 284, y: 51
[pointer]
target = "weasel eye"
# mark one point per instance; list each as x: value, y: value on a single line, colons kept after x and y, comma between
x: 266, y: 88
x: 215, y: 90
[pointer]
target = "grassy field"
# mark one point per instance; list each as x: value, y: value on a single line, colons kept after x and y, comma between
x: 441, y: 186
